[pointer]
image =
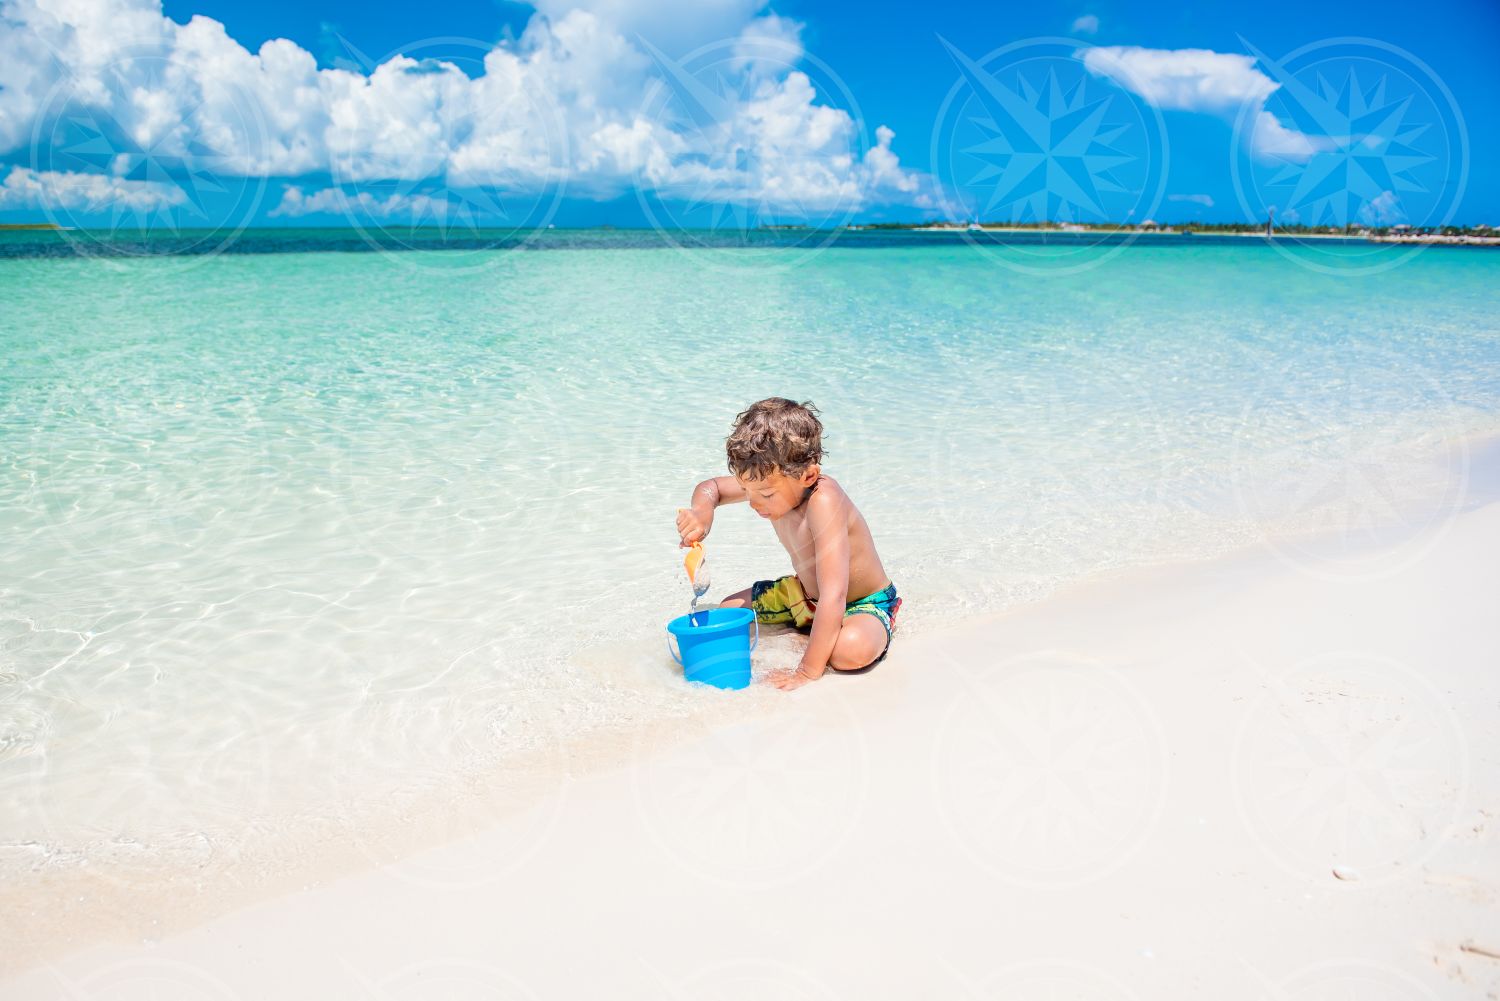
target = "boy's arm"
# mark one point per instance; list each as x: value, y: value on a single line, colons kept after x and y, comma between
x: 718, y: 490
x: 693, y: 522
x: 829, y: 522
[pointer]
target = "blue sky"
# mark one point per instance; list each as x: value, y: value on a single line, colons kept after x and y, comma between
x: 729, y: 112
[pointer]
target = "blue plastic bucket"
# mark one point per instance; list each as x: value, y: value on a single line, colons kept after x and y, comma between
x: 715, y: 645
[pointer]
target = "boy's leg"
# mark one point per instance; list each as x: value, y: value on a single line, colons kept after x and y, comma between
x: 770, y: 600
x: 739, y: 599
x: 861, y: 640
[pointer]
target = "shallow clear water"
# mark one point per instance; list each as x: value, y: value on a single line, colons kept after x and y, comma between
x: 286, y: 532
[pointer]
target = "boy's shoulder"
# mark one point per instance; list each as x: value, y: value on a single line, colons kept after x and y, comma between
x: 828, y: 496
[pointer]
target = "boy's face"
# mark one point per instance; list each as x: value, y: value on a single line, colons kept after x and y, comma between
x: 778, y: 493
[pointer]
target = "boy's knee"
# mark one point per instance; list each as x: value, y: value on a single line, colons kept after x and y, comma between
x: 855, y: 647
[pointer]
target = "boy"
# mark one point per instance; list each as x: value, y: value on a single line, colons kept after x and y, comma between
x: 774, y: 453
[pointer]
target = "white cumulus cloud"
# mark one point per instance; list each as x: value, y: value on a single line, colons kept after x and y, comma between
x: 1088, y: 24
x: 334, y: 200
x: 26, y: 188
x: 675, y: 26
x: 1272, y: 139
x: 1382, y: 210
x: 563, y: 104
x: 1182, y: 79
x: 1221, y: 83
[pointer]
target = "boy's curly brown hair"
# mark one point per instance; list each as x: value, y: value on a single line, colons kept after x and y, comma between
x: 775, y: 434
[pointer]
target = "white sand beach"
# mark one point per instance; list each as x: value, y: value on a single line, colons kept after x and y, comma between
x: 369, y: 373
x: 1273, y: 775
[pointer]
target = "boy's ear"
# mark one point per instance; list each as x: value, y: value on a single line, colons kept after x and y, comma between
x: 810, y: 475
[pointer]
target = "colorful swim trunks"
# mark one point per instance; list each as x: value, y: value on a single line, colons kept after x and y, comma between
x: 783, y: 602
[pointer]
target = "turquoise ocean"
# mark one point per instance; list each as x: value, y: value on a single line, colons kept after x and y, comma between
x: 301, y: 539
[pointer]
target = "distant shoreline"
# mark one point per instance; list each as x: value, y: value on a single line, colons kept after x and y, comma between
x: 52, y: 240
x: 1419, y: 238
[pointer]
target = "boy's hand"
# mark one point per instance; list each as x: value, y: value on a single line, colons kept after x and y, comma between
x: 789, y: 681
x: 692, y: 526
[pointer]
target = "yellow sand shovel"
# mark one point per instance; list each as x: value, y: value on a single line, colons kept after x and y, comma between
x: 696, y: 566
